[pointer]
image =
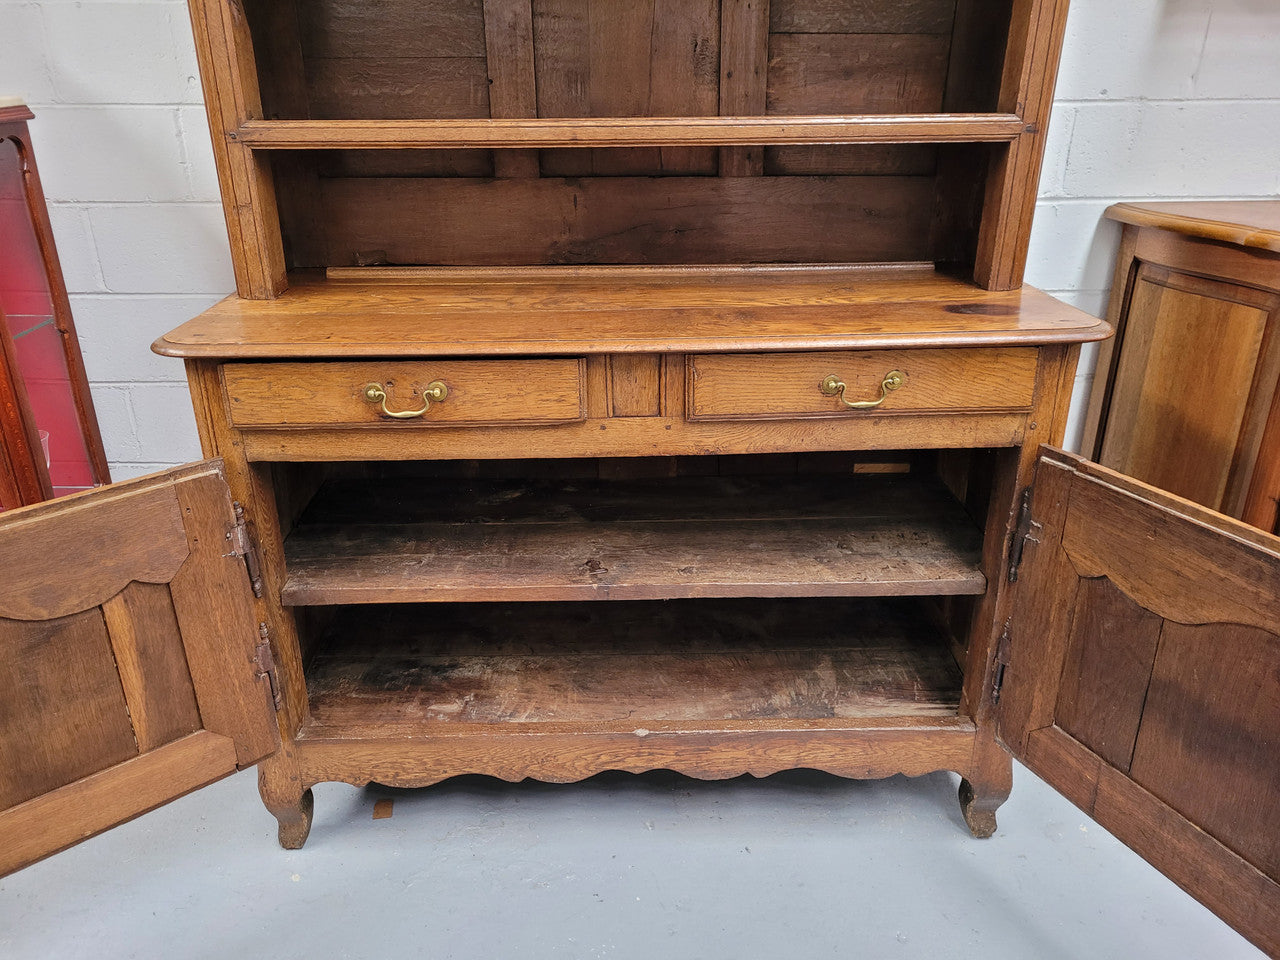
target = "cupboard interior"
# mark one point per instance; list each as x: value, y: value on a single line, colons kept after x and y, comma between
x: 441, y: 59
x: 829, y: 589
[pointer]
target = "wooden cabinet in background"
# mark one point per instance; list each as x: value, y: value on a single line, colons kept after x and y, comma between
x: 612, y: 389
x: 1185, y: 395
x: 49, y: 439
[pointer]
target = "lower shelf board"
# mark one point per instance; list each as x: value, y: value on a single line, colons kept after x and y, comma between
x: 407, y: 671
x: 836, y: 536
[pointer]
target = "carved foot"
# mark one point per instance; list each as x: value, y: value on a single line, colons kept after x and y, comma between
x: 295, y: 823
x: 979, y: 811
x: 289, y: 802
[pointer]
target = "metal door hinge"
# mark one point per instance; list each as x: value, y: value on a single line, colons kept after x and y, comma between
x: 242, y: 546
x: 266, y: 663
x: 1002, y: 663
x: 1023, y: 533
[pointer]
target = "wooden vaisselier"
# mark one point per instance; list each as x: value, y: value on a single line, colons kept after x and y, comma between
x: 625, y: 386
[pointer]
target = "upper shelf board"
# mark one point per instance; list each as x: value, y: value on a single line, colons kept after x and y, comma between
x: 445, y: 311
x: 628, y: 131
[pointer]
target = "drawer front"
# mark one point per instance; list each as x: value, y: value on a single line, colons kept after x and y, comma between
x: 751, y: 386
x: 471, y: 392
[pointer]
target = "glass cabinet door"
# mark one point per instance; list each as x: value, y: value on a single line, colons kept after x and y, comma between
x: 42, y: 353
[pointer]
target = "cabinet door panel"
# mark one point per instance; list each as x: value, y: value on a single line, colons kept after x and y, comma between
x: 1192, y: 386
x: 128, y: 658
x: 1144, y: 680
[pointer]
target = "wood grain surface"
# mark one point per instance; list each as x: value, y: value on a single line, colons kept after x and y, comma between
x: 761, y: 385
x: 628, y: 131
x: 382, y: 541
x: 602, y: 310
x: 1195, y: 354
x: 54, y: 821
x: 626, y: 220
x: 96, y: 531
x: 402, y: 671
x: 1248, y: 223
x: 1142, y: 680
x: 543, y: 390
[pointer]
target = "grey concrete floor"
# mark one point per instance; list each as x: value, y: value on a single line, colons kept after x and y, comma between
x: 658, y: 866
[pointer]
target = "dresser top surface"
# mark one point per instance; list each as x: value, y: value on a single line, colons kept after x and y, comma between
x: 1248, y: 223
x: 575, y: 310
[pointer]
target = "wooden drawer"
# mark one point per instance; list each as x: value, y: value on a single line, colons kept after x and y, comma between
x: 750, y: 386
x: 534, y: 391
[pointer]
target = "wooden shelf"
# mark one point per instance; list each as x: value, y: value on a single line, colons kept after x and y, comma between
x: 405, y: 672
x: 449, y: 311
x: 401, y: 541
x: 628, y: 132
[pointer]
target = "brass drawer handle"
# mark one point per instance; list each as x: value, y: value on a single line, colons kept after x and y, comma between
x: 435, y: 390
x: 834, y: 387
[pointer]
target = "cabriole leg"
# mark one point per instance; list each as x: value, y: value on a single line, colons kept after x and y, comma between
x: 288, y: 799
x: 987, y: 786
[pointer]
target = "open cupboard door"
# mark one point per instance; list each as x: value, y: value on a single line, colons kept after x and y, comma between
x: 1142, y: 680
x: 131, y: 670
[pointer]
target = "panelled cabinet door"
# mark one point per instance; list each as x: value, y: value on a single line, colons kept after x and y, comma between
x: 1143, y: 680
x: 129, y: 665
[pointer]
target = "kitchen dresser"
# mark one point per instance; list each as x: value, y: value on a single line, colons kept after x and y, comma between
x: 635, y: 386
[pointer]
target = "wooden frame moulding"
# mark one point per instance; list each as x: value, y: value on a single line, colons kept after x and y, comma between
x: 1030, y: 70
x: 529, y: 133
x: 229, y: 79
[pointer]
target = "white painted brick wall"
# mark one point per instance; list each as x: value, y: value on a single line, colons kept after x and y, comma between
x: 1157, y: 99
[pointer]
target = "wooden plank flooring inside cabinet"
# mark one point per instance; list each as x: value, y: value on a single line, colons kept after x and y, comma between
x: 400, y: 671
x: 406, y: 540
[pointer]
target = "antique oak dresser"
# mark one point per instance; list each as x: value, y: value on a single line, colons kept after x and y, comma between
x: 621, y: 386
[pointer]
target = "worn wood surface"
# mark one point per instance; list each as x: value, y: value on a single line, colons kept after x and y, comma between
x: 604, y: 310
x: 635, y: 385
x: 99, y: 531
x: 126, y: 650
x: 861, y: 749
x: 508, y: 37
x: 627, y: 220
x: 690, y: 537
x: 813, y: 73
x: 747, y: 386
x: 214, y: 607
x: 861, y: 16
x: 401, y: 671
x: 744, y: 76
x: 1142, y: 680
x: 1209, y: 718
x: 147, y: 644
x: 544, y: 390
x: 63, y: 714
x: 1104, y: 683
x: 62, y: 818
x: 648, y: 58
